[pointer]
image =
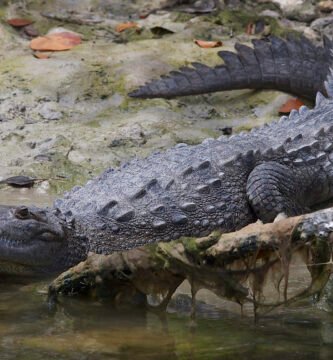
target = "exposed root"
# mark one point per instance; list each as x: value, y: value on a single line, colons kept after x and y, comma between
x: 255, y: 264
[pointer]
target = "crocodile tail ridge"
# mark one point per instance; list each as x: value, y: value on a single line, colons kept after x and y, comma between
x: 292, y: 65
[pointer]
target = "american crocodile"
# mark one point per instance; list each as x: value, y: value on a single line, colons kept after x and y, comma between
x: 227, y: 183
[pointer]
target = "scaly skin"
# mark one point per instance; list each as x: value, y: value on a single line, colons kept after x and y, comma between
x: 295, y: 66
x: 186, y: 191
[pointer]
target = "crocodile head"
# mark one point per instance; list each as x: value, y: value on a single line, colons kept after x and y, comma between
x: 33, y: 241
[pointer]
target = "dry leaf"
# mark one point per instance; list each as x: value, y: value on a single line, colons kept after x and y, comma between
x: 249, y: 29
x: 128, y: 25
x: 55, y: 42
x: 208, y: 44
x: 290, y: 105
x: 144, y: 15
x: 257, y: 27
x: 17, y: 22
x: 41, y: 55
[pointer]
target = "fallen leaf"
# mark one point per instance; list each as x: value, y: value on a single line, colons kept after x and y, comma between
x: 41, y: 55
x: 55, y: 42
x: 144, y: 15
x: 208, y: 44
x: 249, y: 29
x: 17, y: 22
x: 258, y: 27
x: 290, y: 105
x: 128, y: 25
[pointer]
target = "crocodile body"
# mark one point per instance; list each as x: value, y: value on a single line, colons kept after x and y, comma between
x: 227, y: 183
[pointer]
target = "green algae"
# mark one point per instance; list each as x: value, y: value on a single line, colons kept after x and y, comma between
x: 237, y: 21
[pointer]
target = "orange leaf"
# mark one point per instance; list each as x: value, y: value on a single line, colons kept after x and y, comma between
x: 41, y: 55
x: 123, y: 26
x: 290, y: 105
x: 208, y: 44
x: 73, y: 38
x: 17, y: 22
x: 55, y: 42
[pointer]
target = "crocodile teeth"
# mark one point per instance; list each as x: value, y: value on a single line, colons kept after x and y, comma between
x: 303, y: 110
x: 319, y: 98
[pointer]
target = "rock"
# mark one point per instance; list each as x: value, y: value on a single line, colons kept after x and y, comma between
x: 270, y: 13
x: 304, y: 14
x: 164, y: 21
x: 321, y: 23
x: 311, y: 34
x: 288, y: 5
x: 129, y: 136
x: 300, y: 10
x: 323, y: 26
x: 49, y: 112
x: 293, y: 25
x: 325, y: 6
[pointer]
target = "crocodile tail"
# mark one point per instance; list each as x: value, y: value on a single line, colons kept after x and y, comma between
x: 293, y: 65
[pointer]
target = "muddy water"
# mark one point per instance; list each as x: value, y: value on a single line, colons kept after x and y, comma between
x: 84, y: 329
x: 38, y: 196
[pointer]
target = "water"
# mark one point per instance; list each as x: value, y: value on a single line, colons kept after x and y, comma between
x: 82, y: 329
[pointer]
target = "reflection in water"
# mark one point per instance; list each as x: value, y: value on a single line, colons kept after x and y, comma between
x: 82, y: 329
x: 37, y: 195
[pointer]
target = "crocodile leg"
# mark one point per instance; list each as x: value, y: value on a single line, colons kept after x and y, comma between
x: 274, y: 188
x: 295, y: 66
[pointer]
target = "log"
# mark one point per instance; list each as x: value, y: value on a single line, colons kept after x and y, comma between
x: 241, y: 266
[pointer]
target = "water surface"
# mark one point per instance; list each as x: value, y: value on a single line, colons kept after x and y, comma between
x: 82, y: 329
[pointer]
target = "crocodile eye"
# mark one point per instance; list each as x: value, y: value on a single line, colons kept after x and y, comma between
x: 22, y: 212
